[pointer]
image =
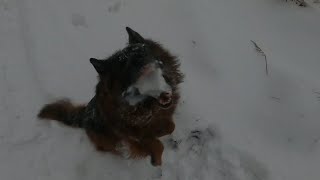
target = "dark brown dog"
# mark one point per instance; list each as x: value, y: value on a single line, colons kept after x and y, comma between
x: 112, y: 121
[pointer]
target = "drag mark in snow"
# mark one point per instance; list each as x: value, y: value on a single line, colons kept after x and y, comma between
x: 29, y: 45
x: 6, y: 95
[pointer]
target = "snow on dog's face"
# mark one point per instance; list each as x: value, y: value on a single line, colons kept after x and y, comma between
x: 150, y: 83
x: 135, y: 73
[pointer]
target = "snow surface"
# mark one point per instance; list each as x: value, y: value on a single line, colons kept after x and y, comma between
x: 234, y: 122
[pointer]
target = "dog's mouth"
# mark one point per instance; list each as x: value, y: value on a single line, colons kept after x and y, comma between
x: 165, y: 100
x: 150, y: 83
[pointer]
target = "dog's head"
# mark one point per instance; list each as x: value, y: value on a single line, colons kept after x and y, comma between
x: 142, y: 70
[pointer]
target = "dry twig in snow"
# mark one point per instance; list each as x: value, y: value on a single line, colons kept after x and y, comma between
x: 259, y: 50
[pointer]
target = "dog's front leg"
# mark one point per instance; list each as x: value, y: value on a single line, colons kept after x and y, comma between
x: 155, y: 149
x: 145, y: 147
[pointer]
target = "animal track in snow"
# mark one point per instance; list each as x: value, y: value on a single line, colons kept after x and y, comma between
x: 202, y: 149
x: 78, y: 20
x: 115, y: 7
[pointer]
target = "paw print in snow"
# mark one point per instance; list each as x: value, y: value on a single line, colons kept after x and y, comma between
x: 173, y: 144
x: 197, y: 139
x: 115, y: 7
x: 78, y: 20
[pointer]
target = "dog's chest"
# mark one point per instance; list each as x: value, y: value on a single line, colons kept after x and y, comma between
x: 137, y: 116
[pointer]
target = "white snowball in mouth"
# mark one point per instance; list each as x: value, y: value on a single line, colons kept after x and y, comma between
x: 151, y: 83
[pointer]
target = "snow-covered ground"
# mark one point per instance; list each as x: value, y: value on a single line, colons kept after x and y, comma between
x: 234, y: 122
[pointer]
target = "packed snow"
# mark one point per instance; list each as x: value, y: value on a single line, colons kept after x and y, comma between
x: 234, y: 122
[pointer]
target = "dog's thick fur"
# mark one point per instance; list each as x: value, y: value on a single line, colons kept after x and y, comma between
x: 128, y: 130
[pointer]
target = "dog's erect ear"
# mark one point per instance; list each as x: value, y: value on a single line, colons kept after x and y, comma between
x: 99, y: 65
x: 134, y: 37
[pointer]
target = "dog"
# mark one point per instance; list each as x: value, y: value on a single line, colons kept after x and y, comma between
x: 135, y: 99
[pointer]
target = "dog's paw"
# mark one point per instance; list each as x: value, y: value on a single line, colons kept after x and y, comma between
x: 156, y: 161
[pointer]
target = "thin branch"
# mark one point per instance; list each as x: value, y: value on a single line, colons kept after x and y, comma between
x: 259, y: 50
